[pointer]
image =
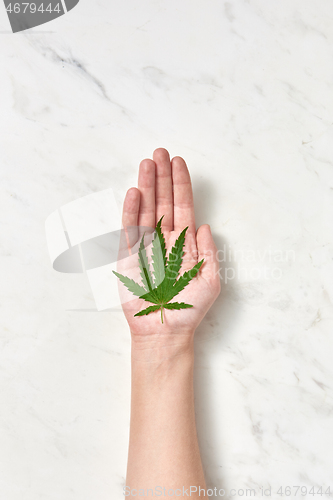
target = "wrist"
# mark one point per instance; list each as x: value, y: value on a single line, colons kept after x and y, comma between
x: 157, y: 368
x: 157, y: 347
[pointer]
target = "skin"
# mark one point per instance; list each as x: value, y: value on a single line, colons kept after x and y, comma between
x: 163, y: 445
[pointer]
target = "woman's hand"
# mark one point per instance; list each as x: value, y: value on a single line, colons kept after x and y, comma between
x: 164, y: 188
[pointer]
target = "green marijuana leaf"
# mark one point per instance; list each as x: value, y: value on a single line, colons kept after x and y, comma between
x: 163, y: 285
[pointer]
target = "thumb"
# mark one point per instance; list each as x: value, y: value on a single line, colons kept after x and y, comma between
x: 207, y: 250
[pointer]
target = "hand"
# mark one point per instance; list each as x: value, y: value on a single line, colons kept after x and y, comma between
x: 164, y: 188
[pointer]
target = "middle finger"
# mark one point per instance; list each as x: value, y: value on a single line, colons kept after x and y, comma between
x: 163, y: 186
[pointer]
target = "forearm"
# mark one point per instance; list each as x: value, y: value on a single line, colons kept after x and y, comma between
x: 163, y: 447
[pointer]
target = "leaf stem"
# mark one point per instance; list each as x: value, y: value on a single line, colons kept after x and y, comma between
x: 162, y: 314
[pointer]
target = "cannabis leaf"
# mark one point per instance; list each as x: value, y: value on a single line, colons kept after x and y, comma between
x: 163, y: 285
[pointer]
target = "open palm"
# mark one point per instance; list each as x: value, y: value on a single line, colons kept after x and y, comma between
x: 164, y: 189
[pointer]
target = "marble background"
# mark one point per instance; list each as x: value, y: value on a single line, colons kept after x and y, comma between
x: 243, y: 91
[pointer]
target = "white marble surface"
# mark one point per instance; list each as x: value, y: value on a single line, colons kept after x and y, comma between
x: 243, y: 91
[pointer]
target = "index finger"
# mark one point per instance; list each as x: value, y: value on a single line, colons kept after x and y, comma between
x: 182, y: 196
